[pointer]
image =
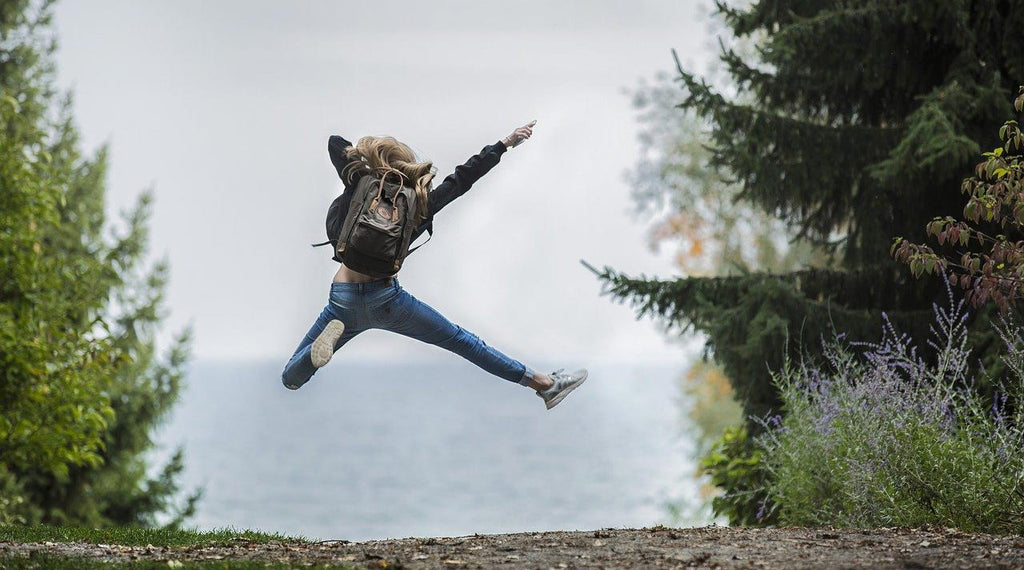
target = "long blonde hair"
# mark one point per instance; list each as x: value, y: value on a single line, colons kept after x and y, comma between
x: 380, y: 155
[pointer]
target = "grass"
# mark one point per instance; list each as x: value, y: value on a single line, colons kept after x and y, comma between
x: 128, y: 536
x: 55, y: 563
x: 132, y: 536
x: 49, y: 562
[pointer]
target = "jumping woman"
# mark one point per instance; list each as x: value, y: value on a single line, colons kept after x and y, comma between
x: 359, y: 302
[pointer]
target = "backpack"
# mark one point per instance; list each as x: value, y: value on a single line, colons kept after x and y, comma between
x: 373, y: 238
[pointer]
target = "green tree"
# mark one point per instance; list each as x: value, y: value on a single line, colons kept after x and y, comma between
x: 83, y: 385
x: 695, y: 211
x: 852, y: 125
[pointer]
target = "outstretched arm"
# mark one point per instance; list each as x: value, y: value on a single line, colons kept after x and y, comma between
x: 459, y: 182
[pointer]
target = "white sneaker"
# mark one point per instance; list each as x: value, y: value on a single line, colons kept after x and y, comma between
x: 564, y: 383
x: 323, y: 346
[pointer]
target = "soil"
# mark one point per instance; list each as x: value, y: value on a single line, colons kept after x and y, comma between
x: 658, y: 547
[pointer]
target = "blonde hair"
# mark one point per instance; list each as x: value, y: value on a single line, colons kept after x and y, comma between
x: 379, y: 155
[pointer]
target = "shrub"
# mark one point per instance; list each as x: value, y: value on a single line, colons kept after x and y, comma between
x: 880, y: 435
x: 737, y: 467
x: 993, y: 226
x: 12, y: 500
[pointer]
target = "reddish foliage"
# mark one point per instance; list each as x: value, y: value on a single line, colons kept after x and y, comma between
x: 993, y: 269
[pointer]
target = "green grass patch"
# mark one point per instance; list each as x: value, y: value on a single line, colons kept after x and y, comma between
x: 49, y: 562
x: 127, y: 536
x: 132, y: 536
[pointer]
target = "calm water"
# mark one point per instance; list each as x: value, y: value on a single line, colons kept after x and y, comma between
x: 369, y: 451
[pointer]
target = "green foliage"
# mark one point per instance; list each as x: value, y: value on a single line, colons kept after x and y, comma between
x: 49, y: 562
x: 697, y: 213
x: 755, y: 322
x: 185, y: 539
x: 12, y: 499
x: 135, y: 536
x: 851, y: 123
x: 81, y: 384
x: 886, y: 438
x: 737, y: 466
x: 695, y: 208
x: 831, y: 142
x: 988, y: 267
x: 53, y: 407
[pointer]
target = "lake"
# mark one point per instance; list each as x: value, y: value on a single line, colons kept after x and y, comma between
x: 372, y: 450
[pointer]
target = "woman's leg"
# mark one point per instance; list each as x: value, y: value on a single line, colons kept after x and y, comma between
x: 407, y: 315
x: 300, y: 366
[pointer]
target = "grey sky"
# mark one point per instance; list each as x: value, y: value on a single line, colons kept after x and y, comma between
x: 225, y: 109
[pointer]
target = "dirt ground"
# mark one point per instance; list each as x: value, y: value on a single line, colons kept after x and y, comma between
x: 658, y: 547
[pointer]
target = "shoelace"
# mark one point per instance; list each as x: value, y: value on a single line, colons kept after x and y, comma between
x: 555, y: 376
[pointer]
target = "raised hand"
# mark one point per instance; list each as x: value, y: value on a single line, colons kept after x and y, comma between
x: 519, y: 135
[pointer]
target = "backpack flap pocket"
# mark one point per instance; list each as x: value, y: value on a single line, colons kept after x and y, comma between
x: 376, y: 238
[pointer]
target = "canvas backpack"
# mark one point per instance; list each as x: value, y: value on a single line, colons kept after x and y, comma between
x: 374, y: 237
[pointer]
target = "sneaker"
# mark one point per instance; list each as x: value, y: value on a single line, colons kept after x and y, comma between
x: 564, y: 383
x: 323, y: 346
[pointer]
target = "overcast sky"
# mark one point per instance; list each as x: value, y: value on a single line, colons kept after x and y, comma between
x: 224, y: 109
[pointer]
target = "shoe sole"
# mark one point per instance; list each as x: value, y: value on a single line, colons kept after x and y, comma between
x: 561, y: 396
x: 323, y: 346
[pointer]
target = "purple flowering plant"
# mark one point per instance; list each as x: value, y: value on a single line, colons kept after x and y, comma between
x: 878, y: 434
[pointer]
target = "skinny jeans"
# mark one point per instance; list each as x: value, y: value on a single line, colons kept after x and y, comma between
x: 384, y: 304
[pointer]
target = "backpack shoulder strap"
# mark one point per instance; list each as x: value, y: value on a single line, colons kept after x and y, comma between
x: 429, y: 228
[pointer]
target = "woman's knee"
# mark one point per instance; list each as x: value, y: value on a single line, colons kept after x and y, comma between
x: 290, y: 383
x: 293, y: 377
x: 462, y: 340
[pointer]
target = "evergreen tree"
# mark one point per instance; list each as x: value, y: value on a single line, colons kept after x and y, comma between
x: 854, y: 124
x: 695, y: 211
x: 81, y: 383
x: 694, y: 208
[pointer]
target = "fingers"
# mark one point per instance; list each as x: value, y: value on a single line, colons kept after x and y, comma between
x: 526, y: 130
x: 522, y: 133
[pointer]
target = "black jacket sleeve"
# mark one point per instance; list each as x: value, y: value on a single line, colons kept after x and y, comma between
x: 459, y: 182
x: 336, y: 149
x: 338, y: 209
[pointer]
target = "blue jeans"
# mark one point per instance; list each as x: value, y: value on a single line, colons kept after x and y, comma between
x: 383, y: 304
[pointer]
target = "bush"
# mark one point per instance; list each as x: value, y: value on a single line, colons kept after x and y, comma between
x: 735, y: 465
x: 12, y: 500
x: 881, y: 436
x: 989, y: 264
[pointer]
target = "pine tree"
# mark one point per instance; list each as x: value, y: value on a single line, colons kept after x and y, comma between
x: 81, y: 383
x: 694, y: 209
x: 854, y: 124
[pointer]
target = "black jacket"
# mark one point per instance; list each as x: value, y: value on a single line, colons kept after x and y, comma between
x: 453, y: 186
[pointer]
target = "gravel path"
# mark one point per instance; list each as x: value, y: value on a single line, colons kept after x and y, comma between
x: 658, y: 547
